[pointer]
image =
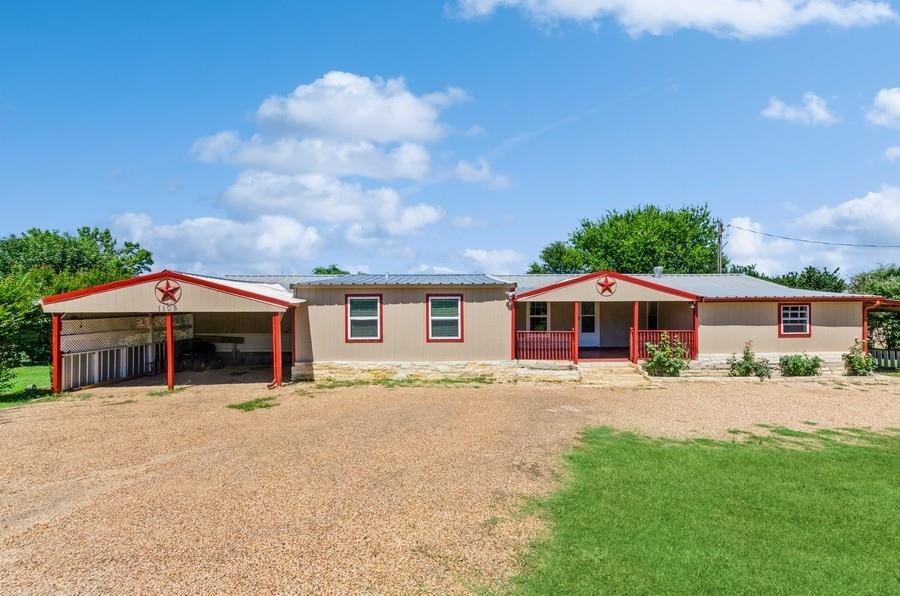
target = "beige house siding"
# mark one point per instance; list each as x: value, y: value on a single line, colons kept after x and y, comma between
x: 321, y: 326
x: 726, y: 326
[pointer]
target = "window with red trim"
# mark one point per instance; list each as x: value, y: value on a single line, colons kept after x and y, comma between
x: 794, y: 320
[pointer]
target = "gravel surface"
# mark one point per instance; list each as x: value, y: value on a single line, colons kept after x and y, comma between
x: 352, y: 490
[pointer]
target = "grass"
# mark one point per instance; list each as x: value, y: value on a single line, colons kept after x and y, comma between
x: 407, y: 382
x: 165, y: 392
x: 254, y: 404
x: 779, y: 513
x: 30, y: 384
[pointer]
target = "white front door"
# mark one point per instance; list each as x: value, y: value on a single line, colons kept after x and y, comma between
x: 589, y: 325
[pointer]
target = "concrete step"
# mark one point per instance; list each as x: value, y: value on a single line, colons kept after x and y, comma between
x: 612, y: 374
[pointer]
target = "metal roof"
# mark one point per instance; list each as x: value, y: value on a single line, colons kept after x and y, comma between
x: 283, y: 280
x: 409, y: 279
x: 735, y: 285
x: 271, y: 290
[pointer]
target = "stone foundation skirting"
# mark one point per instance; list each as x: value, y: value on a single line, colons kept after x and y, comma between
x: 717, y: 364
x: 501, y: 371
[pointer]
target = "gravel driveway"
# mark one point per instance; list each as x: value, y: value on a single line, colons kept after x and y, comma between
x: 360, y: 489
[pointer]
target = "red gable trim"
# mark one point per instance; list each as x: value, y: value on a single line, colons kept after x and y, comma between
x: 164, y: 274
x: 619, y: 276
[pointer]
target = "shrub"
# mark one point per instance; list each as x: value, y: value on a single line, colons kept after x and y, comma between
x: 799, y: 365
x: 857, y: 362
x: 667, y: 358
x: 748, y: 365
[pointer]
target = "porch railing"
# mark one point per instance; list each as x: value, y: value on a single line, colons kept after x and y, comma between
x: 544, y: 345
x: 684, y: 336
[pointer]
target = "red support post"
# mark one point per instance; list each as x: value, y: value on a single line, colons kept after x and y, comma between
x: 56, y: 352
x: 276, y: 350
x: 634, y: 331
x: 695, y: 348
x: 512, y: 329
x: 576, y: 325
x: 170, y: 351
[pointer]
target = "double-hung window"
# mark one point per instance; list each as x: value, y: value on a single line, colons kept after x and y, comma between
x: 538, y: 316
x: 363, y: 318
x: 794, y: 320
x: 445, y: 318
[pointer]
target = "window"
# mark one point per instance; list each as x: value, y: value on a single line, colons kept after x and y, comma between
x: 588, y: 320
x: 793, y: 320
x: 445, y: 318
x: 653, y: 315
x: 363, y: 318
x: 538, y: 316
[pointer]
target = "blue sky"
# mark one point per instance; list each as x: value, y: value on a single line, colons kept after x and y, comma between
x: 439, y: 136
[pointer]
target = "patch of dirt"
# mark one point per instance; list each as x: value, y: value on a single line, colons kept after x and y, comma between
x: 362, y: 489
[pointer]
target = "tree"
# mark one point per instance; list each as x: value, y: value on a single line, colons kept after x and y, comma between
x: 329, y: 270
x: 810, y: 278
x: 636, y: 240
x: 43, y: 262
x: 884, y: 327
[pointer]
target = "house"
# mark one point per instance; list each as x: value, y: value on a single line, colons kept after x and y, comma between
x: 363, y: 324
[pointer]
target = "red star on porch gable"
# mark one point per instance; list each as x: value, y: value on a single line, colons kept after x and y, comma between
x: 606, y: 286
x: 168, y: 292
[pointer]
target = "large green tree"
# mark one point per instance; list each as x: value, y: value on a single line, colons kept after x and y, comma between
x: 636, y: 240
x: 329, y: 270
x: 44, y: 262
x: 809, y: 278
x: 884, y: 327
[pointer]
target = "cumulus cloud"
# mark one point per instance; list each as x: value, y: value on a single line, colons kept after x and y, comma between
x: 432, y: 269
x: 885, y: 110
x: 208, y: 242
x: 871, y: 219
x: 345, y: 105
x: 813, y: 111
x: 734, y: 18
x: 467, y: 221
x: 892, y: 153
x: 480, y: 172
x: 505, y: 260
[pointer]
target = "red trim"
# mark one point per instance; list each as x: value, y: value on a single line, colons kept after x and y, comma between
x: 347, y: 338
x: 696, y: 347
x: 462, y: 332
x: 512, y: 328
x: 56, y: 352
x: 635, y: 309
x: 614, y: 275
x: 170, y: 351
x: 277, y: 364
x: 164, y: 274
x: 576, y: 329
x: 808, y: 306
x: 783, y: 298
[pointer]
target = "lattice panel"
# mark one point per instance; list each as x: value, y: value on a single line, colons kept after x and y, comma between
x: 86, y: 335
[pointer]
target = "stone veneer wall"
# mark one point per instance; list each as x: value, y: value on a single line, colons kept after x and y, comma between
x: 717, y: 364
x: 504, y: 371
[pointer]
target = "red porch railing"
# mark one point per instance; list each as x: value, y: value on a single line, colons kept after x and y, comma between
x: 544, y: 345
x: 684, y: 336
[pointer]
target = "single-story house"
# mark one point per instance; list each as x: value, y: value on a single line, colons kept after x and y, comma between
x: 362, y: 323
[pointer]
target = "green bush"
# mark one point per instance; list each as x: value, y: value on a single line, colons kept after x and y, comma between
x: 667, y: 358
x: 748, y: 365
x: 800, y: 365
x: 857, y: 362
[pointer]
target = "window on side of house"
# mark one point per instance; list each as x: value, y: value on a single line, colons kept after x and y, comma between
x: 364, y: 318
x: 588, y: 317
x: 445, y: 318
x: 794, y: 320
x: 538, y: 316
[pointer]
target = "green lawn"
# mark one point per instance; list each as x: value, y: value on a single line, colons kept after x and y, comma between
x: 790, y: 513
x: 20, y: 391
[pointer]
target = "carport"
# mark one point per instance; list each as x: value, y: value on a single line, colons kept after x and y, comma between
x: 128, y: 328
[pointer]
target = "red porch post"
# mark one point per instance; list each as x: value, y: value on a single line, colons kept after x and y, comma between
x: 276, y: 349
x: 56, y: 352
x: 634, y: 331
x: 512, y: 329
x: 695, y: 348
x: 576, y: 325
x: 170, y: 351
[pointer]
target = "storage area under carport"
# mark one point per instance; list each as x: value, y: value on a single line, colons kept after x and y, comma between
x: 126, y: 329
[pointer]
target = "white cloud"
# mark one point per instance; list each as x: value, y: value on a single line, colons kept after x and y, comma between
x: 814, y: 111
x: 892, y: 153
x: 480, y: 172
x: 467, y: 221
x: 503, y: 260
x: 432, y: 269
x: 345, y: 105
x: 885, y: 110
x: 734, y: 18
x: 213, y: 242
x: 870, y: 219
x: 314, y: 155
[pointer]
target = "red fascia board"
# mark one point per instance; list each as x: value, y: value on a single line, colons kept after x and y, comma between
x: 789, y: 298
x: 618, y: 276
x: 164, y: 274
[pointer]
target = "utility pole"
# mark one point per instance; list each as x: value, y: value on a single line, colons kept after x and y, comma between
x: 720, y: 229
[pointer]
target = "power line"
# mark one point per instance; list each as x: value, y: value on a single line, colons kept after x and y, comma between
x: 850, y: 244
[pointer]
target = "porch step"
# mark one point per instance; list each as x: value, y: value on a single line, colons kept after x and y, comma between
x: 612, y: 374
